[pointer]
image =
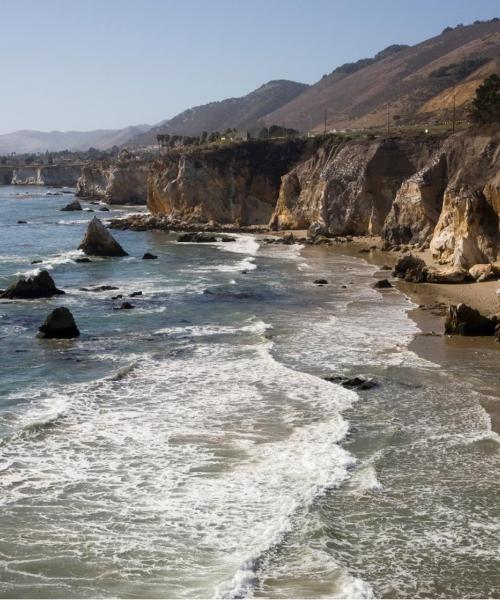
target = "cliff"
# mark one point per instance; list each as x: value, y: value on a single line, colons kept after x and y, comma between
x: 118, y: 183
x: 236, y: 183
x: 50, y: 175
x: 5, y: 175
x: 419, y: 191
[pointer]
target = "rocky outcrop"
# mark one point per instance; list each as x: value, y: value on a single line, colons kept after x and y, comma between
x: 99, y: 242
x: 5, y: 174
x: 60, y: 324
x: 237, y: 183
x: 71, y: 206
x: 347, y: 187
x: 40, y: 285
x: 123, y: 182
x: 49, y: 175
x: 453, y: 204
x: 464, y: 320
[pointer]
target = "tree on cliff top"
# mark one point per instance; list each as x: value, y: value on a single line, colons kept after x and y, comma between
x: 486, y: 105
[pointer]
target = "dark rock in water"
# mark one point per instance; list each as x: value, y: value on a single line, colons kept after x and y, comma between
x: 83, y: 259
x: 245, y: 272
x: 411, y: 268
x: 464, y: 320
x: 104, y: 209
x: 125, y: 306
x: 99, y: 288
x: 385, y: 268
x: 99, y: 242
x: 288, y: 239
x: 198, y: 237
x: 75, y: 205
x: 382, y: 284
x: 117, y: 297
x: 60, y: 324
x: 227, y: 238
x: 36, y: 262
x: 320, y: 282
x: 37, y: 286
x: 344, y: 287
x: 22, y: 222
x: 135, y: 294
x: 358, y: 383
x: 149, y: 256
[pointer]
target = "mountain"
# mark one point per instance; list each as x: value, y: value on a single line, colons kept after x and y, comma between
x: 418, y: 82
x: 245, y: 111
x: 28, y: 141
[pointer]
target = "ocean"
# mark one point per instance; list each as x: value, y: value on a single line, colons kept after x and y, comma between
x: 191, y: 447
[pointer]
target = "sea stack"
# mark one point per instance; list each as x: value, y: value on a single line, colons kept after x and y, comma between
x: 40, y: 285
x: 99, y: 242
x: 60, y: 324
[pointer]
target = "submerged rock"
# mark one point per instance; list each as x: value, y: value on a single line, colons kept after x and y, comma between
x: 36, y: 286
x: 74, y: 205
x: 320, y: 282
x: 197, y: 237
x: 382, y: 284
x: 83, y: 259
x: 135, y: 294
x: 125, y: 306
x: 99, y: 288
x: 99, y: 242
x: 60, y: 324
x: 464, y: 320
x: 149, y: 256
x: 358, y: 383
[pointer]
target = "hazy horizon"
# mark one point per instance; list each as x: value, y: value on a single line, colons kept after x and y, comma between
x: 84, y: 66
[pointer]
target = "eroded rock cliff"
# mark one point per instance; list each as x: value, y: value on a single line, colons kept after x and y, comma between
x: 118, y: 183
x: 50, y: 175
x: 229, y: 184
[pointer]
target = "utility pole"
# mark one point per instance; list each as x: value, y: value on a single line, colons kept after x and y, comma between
x: 388, y: 120
x: 454, y: 111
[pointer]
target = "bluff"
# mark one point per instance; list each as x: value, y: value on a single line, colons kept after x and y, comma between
x: 50, y: 175
x: 421, y: 191
x: 236, y: 183
x: 123, y: 182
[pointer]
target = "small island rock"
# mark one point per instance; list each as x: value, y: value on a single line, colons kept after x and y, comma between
x: 99, y: 242
x: 60, y: 324
x: 40, y: 285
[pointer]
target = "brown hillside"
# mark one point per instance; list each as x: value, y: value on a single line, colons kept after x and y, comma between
x: 408, y: 78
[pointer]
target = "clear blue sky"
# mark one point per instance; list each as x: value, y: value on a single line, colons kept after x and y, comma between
x: 89, y: 64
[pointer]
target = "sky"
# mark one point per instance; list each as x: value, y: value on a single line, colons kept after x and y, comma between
x: 106, y: 64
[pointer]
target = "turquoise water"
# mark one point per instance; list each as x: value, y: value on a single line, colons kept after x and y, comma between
x: 190, y: 447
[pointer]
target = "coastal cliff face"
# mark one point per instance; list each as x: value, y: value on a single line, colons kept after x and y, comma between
x: 452, y: 205
x: 121, y: 183
x: 50, y: 175
x: 229, y: 184
x: 5, y: 175
x: 442, y: 193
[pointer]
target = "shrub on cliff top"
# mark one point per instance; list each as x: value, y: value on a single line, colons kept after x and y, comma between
x: 486, y: 105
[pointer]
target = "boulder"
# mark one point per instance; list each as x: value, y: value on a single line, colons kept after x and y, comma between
x: 357, y: 383
x: 411, y: 268
x: 135, y: 294
x: 320, y: 282
x: 482, y: 272
x: 36, y: 286
x: 74, y: 205
x: 450, y: 275
x: 125, y: 306
x: 149, y: 256
x: 60, y: 324
x: 198, y: 237
x: 99, y: 242
x: 464, y: 320
x: 382, y: 284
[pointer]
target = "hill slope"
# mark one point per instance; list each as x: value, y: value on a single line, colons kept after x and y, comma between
x: 27, y: 141
x: 245, y: 111
x: 412, y: 79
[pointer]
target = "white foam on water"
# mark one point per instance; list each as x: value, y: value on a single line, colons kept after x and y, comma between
x: 179, y: 467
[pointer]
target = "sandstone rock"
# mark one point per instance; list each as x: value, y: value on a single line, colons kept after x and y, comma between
x: 411, y: 268
x: 382, y: 284
x: 464, y: 320
x: 450, y: 275
x: 149, y: 256
x: 59, y: 324
x: 74, y: 205
x: 99, y: 242
x: 37, y: 286
x: 482, y: 272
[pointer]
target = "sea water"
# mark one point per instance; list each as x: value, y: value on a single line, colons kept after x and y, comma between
x: 191, y: 447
